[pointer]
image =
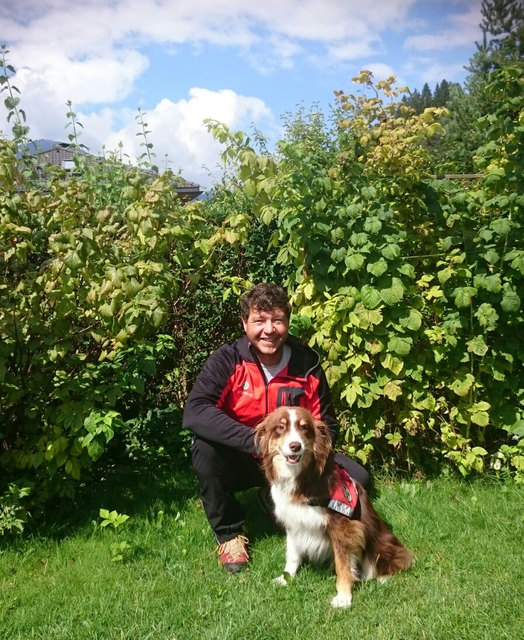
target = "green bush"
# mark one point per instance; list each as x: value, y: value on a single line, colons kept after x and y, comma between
x: 409, y: 287
x: 113, y: 294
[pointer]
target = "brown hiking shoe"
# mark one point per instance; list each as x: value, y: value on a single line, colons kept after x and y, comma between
x: 233, y: 554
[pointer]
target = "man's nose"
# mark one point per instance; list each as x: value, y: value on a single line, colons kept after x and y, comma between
x: 268, y: 327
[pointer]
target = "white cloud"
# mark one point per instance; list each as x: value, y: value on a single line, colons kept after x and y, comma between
x: 95, y: 53
x: 178, y: 134
x: 433, y: 72
x: 463, y: 30
x: 97, y: 27
x: 97, y: 79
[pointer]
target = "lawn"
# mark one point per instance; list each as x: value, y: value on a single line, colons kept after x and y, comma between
x: 157, y: 576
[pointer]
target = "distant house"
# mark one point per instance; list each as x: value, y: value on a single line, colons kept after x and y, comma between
x: 62, y: 154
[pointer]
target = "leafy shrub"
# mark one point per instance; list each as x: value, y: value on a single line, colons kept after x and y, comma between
x: 112, y: 293
x: 85, y: 289
x: 410, y: 288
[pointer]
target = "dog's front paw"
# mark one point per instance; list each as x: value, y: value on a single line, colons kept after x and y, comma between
x: 282, y: 580
x: 341, y: 601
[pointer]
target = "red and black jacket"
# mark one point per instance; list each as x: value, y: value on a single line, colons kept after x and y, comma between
x: 231, y: 396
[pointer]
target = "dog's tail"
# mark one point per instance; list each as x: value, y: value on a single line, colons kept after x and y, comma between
x: 384, y: 555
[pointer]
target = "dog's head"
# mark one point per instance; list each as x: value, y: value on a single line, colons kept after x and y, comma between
x: 291, y: 440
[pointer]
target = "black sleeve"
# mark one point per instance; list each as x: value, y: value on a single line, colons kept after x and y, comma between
x: 204, y: 418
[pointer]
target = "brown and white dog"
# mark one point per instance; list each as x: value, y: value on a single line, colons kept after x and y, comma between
x: 298, y: 462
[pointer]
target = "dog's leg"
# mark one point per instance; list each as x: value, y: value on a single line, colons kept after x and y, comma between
x: 293, y: 562
x: 345, y: 579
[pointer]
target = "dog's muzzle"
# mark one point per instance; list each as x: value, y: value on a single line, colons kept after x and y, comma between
x: 295, y: 451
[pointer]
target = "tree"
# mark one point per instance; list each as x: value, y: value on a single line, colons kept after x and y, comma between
x: 427, y: 96
x: 441, y: 95
x: 502, y: 43
x: 501, y: 46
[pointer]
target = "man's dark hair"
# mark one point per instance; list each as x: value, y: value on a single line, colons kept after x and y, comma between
x: 264, y: 297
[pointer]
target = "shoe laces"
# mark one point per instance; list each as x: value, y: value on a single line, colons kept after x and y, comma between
x: 236, y: 548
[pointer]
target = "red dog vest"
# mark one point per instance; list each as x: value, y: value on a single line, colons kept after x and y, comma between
x: 343, y: 498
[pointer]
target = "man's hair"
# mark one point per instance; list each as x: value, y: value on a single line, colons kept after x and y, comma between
x: 264, y: 297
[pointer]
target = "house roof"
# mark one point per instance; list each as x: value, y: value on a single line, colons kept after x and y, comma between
x: 55, y: 153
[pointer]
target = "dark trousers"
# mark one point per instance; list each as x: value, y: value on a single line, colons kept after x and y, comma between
x: 222, y: 472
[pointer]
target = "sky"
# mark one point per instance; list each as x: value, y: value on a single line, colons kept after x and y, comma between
x: 245, y: 63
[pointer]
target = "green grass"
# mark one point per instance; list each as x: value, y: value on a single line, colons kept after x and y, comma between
x: 467, y: 582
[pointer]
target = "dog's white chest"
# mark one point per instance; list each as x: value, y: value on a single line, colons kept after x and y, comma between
x: 306, y: 525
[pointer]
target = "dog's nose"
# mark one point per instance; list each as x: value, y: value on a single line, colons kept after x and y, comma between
x: 294, y: 447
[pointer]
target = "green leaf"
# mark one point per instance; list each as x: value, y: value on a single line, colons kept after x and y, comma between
x: 391, y: 251
x: 477, y: 346
x: 370, y: 296
x: 249, y: 185
x: 393, y: 389
x: 337, y: 255
x: 502, y: 226
x: 518, y: 263
x: 106, y: 311
x: 412, y: 321
x: 487, y: 316
x: 393, y: 364
x: 492, y: 256
x: 73, y: 261
x: 462, y: 386
x: 95, y: 450
x: 510, y: 300
x: 480, y: 406
x: 372, y: 225
x: 11, y: 103
x: 393, y: 294
x: 445, y: 274
x: 400, y: 345
x: 517, y: 428
x: 480, y: 418
x: 490, y: 283
x: 494, y: 177
x: 394, y: 439
x: 377, y: 268
x: 407, y: 269
x: 369, y: 317
x: 354, y: 261
x: 463, y: 296
x: 158, y: 317
x: 359, y: 239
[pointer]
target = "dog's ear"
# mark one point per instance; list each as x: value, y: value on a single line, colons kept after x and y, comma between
x: 261, y: 437
x: 322, y: 446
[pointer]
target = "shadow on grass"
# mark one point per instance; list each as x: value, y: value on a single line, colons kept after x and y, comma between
x: 131, y: 488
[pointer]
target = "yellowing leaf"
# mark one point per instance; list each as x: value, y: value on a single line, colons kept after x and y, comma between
x: 393, y: 364
x: 393, y: 389
x: 462, y: 386
x: 477, y: 346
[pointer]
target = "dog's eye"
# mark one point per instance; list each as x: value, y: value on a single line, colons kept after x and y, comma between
x: 305, y: 427
x: 279, y: 428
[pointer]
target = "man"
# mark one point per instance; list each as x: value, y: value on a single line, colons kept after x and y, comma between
x: 239, y: 385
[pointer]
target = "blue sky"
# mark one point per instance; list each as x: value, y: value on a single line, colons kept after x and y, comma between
x: 243, y: 62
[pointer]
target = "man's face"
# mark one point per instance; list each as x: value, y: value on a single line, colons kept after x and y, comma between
x: 267, y: 331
